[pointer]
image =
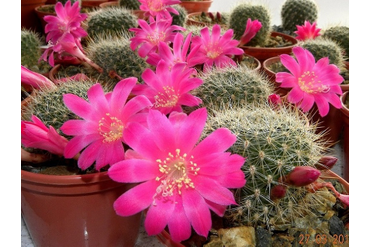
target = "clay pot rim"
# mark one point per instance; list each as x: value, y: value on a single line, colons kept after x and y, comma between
x: 274, y: 34
x: 344, y: 108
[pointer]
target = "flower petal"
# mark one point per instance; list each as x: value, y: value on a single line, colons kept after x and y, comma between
x: 133, y: 171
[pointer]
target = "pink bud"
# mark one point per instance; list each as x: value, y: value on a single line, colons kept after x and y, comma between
x: 274, y: 99
x: 278, y: 192
x: 251, y: 29
x: 326, y: 163
x: 302, y: 176
x: 344, y: 199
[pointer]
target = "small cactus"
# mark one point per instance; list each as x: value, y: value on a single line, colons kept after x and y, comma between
x: 114, y: 21
x: 339, y: 34
x: 323, y: 47
x: 274, y: 142
x: 238, y: 20
x: 296, y: 12
x: 180, y: 19
x: 129, y: 4
x: 233, y: 85
x: 48, y: 105
x: 115, y: 56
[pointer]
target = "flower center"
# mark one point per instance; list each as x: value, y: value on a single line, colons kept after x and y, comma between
x: 309, y: 83
x: 155, y: 5
x: 110, y: 128
x: 168, y: 98
x: 214, y: 51
x: 175, y: 169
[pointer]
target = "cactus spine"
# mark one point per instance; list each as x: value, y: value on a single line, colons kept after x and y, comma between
x: 273, y: 142
x: 339, y: 34
x: 296, y: 12
x: 238, y: 20
x: 130, y: 4
x: 180, y: 19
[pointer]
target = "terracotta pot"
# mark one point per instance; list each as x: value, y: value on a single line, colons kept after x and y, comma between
x: 109, y: 4
x: 271, y: 75
x: 263, y: 53
x: 345, y: 137
x: 165, y: 238
x: 244, y: 57
x: 196, y: 6
x: 190, y: 20
x: 41, y: 14
x: 92, y: 3
x: 29, y: 19
x: 75, y: 210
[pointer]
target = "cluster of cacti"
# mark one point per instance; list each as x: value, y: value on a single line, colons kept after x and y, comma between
x: 273, y: 142
x: 48, y: 105
x: 323, y: 47
x: 238, y: 20
x: 31, y: 51
x: 234, y: 86
x: 180, y: 19
x: 339, y: 34
x: 129, y: 4
x: 116, y: 57
x: 296, y: 12
x: 113, y: 20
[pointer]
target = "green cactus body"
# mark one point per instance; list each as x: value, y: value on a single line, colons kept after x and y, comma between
x: 238, y: 20
x: 48, y: 105
x: 130, y: 4
x: 30, y: 49
x: 180, y: 19
x: 114, y: 54
x: 273, y: 143
x: 339, y: 34
x: 233, y: 85
x: 296, y: 12
x: 114, y: 21
x: 322, y: 47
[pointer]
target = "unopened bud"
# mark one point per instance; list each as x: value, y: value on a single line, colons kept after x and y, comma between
x: 344, y: 199
x: 302, y: 176
x: 326, y: 163
x: 274, y: 99
x: 218, y: 16
x: 278, y: 192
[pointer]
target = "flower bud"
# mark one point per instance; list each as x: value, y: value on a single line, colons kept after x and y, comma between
x: 278, y: 192
x: 326, y: 163
x: 274, y: 99
x: 344, y: 199
x: 302, y: 176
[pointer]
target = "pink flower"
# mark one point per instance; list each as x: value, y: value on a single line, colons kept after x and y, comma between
x: 177, y: 54
x: 148, y: 36
x: 307, y: 31
x: 180, y: 180
x: 68, y: 19
x: 274, y: 99
x: 35, y: 134
x: 251, y: 29
x: 311, y: 82
x: 102, y: 128
x: 161, y: 8
x: 168, y: 89
x: 215, y: 49
x: 35, y: 79
x: 302, y: 176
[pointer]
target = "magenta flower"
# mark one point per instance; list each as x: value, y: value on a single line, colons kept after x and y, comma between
x: 161, y: 8
x: 168, y: 90
x: 251, y: 29
x: 215, y: 49
x: 180, y: 179
x: 35, y: 79
x: 177, y: 54
x: 102, y: 128
x: 68, y: 19
x: 310, y: 82
x: 307, y: 31
x: 149, y: 35
x: 35, y: 134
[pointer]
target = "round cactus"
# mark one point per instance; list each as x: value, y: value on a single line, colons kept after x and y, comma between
x: 233, y: 85
x: 31, y: 51
x: 180, y: 19
x: 115, y: 56
x: 273, y: 142
x: 238, y: 20
x: 296, y: 12
x: 129, y: 4
x: 323, y: 47
x: 114, y: 21
x: 339, y: 34
x: 48, y: 105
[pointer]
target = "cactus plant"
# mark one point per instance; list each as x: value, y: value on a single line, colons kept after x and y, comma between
x: 296, y: 12
x: 324, y: 47
x: 114, y: 55
x: 274, y: 142
x: 238, y: 19
x: 112, y: 20
x: 129, y: 4
x: 180, y: 19
x: 339, y: 34
x: 233, y: 85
